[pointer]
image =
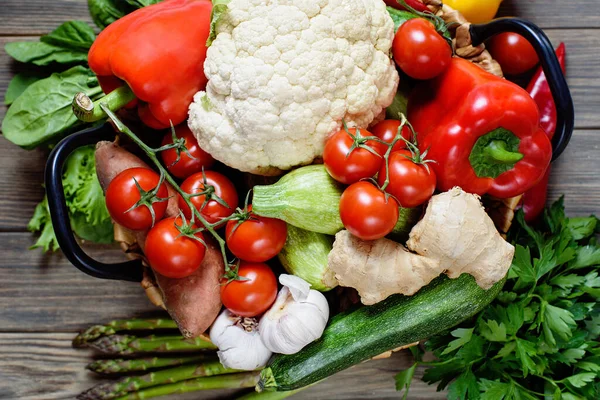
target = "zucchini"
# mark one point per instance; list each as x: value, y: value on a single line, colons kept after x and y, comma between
x: 305, y: 255
x: 365, y: 332
x: 307, y: 198
x: 407, y: 218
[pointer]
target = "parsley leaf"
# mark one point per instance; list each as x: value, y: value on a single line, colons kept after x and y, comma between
x: 404, y: 379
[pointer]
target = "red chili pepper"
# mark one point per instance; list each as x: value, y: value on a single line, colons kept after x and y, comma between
x: 483, y: 132
x: 534, y: 200
x: 159, y: 52
x: 416, y: 4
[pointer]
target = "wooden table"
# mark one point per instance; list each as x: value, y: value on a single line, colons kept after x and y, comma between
x: 44, y: 300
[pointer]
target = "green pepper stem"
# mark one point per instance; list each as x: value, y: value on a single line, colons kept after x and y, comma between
x: 87, y: 110
x: 496, y: 150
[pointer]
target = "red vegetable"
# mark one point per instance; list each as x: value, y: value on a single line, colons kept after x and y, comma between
x: 419, y: 50
x: 186, y: 166
x: 159, y: 52
x: 534, y: 200
x: 253, y: 295
x: 411, y: 183
x: 123, y: 194
x: 416, y: 4
x: 172, y: 254
x: 483, y: 132
x: 367, y: 212
x: 514, y: 53
x: 256, y: 238
x: 349, y: 158
x: 387, y: 129
x: 218, y: 192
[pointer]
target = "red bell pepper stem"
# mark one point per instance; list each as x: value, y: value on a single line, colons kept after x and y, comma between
x: 88, y: 111
x: 534, y: 200
x: 496, y: 150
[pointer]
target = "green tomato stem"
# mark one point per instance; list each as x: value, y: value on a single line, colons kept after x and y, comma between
x: 151, y: 153
x: 87, y: 110
x: 496, y: 150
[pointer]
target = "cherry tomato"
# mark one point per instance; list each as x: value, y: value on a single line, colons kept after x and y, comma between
x: 216, y: 183
x: 419, y: 50
x: 253, y: 296
x: 387, y: 129
x: 514, y: 53
x: 366, y: 212
x: 171, y: 254
x: 256, y: 239
x: 186, y: 166
x: 359, y: 164
x: 122, y: 194
x: 411, y: 184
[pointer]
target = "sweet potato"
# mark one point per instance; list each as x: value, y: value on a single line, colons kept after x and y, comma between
x: 193, y: 302
x: 112, y: 159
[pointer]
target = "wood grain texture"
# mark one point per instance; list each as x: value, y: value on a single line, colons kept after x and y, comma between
x: 44, y: 292
x: 45, y: 366
x: 554, y: 13
x: 37, y: 17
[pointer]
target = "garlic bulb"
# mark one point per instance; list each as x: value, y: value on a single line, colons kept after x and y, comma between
x: 298, y: 317
x: 240, y: 345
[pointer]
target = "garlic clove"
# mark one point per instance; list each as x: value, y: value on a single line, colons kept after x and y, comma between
x: 240, y: 345
x: 298, y: 286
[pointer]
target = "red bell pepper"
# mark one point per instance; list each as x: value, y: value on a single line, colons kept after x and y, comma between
x: 158, y: 52
x: 534, y: 200
x: 483, y: 132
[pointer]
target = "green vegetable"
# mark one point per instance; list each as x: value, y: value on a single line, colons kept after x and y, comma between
x: 399, y: 105
x: 129, y: 344
x: 105, y: 12
x: 122, y: 325
x: 229, y: 381
x: 305, y: 255
x: 43, y: 111
x: 540, y: 337
x: 307, y: 198
x: 123, y: 366
x: 67, y: 44
x: 129, y: 384
x: 87, y: 209
x: 365, y: 332
x: 407, y: 218
x: 19, y: 83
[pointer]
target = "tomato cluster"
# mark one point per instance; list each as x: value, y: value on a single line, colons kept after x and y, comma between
x: 175, y: 246
x: 382, y: 173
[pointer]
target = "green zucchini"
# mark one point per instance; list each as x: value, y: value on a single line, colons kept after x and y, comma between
x: 407, y: 218
x: 365, y: 332
x: 307, y: 198
x: 305, y: 255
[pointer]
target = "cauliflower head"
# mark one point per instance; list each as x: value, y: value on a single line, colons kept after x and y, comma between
x: 282, y: 74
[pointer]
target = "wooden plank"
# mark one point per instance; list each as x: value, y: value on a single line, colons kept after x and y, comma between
x: 555, y: 13
x: 37, y: 17
x: 44, y: 292
x: 44, y: 365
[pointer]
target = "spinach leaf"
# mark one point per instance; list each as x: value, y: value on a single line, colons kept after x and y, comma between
x: 42, y: 54
x: 105, y: 12
x: 67, y: 44
x: 19, y: 83
x: 73, y: 34
x: 43, y: 111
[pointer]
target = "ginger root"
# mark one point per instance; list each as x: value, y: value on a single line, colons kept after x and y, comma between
x: 379, y: 268
x: 457, y: 231
x: 455, y: 236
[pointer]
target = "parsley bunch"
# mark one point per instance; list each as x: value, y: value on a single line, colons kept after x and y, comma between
x: 539, y: 337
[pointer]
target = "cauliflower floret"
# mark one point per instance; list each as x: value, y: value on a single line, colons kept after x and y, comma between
x: 282, y: 74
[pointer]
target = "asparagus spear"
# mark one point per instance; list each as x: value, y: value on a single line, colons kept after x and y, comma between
x: 121, y: 325
x: 121, y: 387
x: 230, y: 381
x: 123, y: 366
x: 128, y: 344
